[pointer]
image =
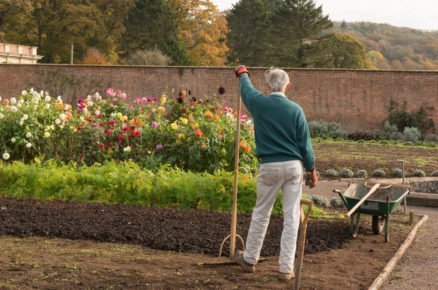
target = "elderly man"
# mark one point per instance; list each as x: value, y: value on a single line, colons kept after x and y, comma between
x: 283, y: 146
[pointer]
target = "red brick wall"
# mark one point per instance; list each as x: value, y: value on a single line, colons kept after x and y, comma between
x: 358, y: 99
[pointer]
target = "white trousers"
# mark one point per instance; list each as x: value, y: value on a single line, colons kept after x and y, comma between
x: 287, y: 176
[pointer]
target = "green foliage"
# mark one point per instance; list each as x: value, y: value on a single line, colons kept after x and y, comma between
x: 397, y: 172
x: 361, y: 173
x: 431, y: 138
x: 390, y: 47
x: 411, y: 134
x: 127, y: 183
x: 421, y: 119
x: 278, y: 33
x: 419, y: 173
x: 323, y: 129
x: 379, y: 173
x: 319, y: 200
x: 152, y: 24
x: 388, y: 131
x: 346, y: 173
x: 146, y: 57
x: 336, y: 202
x: 331, y: 173
x: 338, y: 51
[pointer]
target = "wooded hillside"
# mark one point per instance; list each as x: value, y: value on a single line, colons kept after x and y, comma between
x: 390, y: 47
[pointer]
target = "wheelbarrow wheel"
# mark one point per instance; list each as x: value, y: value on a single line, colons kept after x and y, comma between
x: 378, y: 223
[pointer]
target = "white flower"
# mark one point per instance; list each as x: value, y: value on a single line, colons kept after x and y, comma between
x: 1, y: 116
x: 85, y: 110
x: 13, y: 140
x: 28, y: 135
x: 58, y: 121
x: 29, y: 145
x: 90, y: 104
x: 19, y: 105
x: 47, y: 99
x: 31, y: 90
x: 89, y: 97
x: 46, y: 134
x: 0, y: 98
x: 21, y: 123
x: 62, y: 116
x: 13, y: 109
x: 127, y: 149
x: 25, y: 117
x: 6, y: 156
x: 13, y: 101
x: 59, y: 98
x: 97, y: 113
x: 23, y: 92
x: 113, y: 115
x: 47, y: 106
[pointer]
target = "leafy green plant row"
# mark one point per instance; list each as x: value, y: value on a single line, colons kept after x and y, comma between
x: 127, y: 183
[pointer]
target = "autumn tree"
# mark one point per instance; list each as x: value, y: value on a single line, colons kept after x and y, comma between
x: 53, y: 26
x: 202, y: 31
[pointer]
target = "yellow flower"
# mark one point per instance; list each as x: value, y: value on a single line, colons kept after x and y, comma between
x: 163, y: 99
x: 119, y: 116
x: 181, y: 136
x: 184, y: 121
x: 174, y: 126
x: 161, y: 109
x: 195, y: 126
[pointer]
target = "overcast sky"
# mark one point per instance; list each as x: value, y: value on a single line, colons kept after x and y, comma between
x: 420, y: 14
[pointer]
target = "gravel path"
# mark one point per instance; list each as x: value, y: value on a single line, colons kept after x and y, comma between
x: 418, y: 269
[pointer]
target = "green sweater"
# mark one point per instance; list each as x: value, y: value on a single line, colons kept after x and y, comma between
x: 281, y: 131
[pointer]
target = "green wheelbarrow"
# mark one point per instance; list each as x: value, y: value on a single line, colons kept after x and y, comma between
x: 378, y: 201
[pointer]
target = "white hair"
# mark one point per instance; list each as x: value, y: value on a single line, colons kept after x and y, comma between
x: 277, y: 79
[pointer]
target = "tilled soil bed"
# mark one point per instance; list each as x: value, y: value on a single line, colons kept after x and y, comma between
x: 157, y: 228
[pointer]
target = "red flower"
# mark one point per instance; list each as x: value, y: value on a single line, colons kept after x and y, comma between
x: 120, y: 137
x: 108, y: 148
x: 90, y: 120
x: 183, y: 111
x: 100, y: 124
x: 111, y: 122
x: 108, y: 132
x: 125, y: 129
x: 136, y: 133
x: 101, y: 146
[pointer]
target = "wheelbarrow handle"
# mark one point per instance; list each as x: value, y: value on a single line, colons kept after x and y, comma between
x: 341, y: 196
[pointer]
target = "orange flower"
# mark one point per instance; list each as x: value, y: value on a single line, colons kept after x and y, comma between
x: 198, y: 133
x: 68, y: 116
x: 190, y: 117
x: 248, y: 149
x: 203, y: 146
x: 208, y: 114
x: 243, y: 144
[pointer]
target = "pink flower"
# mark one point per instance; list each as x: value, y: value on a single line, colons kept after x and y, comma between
x: 159, y: 147
x: 122, y: 95
x: 110, y: 92
x: 154, y: 124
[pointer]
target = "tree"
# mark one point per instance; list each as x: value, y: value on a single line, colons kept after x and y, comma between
x: 338, y: 51
x: 249, y: 36
x: 53, y: 26
x: 203, y: 32
x: 298, y: 25
x: 153, y: 24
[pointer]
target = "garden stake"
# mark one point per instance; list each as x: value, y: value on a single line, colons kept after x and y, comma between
x: 233, y: 234
x: 304, y: 218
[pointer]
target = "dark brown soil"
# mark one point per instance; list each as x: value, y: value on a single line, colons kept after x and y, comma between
x: 156, y: 228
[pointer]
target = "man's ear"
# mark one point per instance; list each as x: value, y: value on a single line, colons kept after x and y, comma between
x: 288, y: 86
x: 267, y: 86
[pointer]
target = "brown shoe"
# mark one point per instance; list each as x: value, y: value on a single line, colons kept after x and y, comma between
x: 247, y: 267
x: 286, y: 276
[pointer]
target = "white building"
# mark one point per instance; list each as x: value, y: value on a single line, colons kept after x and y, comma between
x: 16, y: 53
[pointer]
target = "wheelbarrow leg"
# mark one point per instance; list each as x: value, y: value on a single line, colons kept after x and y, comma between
x: 354, y: 224
x: 387, y: 221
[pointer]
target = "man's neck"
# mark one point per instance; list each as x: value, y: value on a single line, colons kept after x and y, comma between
x: 280, y: 93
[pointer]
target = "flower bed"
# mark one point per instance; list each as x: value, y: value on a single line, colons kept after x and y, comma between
x: 196, y: 135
